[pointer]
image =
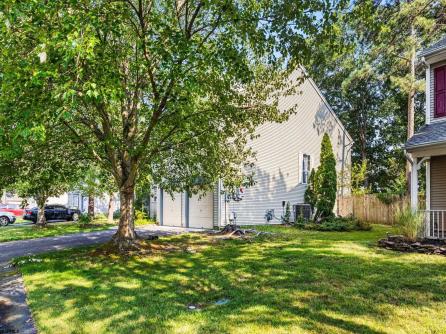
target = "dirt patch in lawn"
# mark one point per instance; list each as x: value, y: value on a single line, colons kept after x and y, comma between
x: 154, y: 245
x: 90, y: 225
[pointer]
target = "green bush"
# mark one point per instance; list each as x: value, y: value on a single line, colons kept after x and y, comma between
x: 84, y: 219
x: 141, y: 218
x: 100, y: 216
x: 287, y: 216
x: 310, y: 196
x: 409, y: 223
x: 140, y: 215
x: 335, y: 224
x: 388, y: 198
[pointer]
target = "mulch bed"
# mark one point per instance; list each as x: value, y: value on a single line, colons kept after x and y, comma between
x: 425, y: 246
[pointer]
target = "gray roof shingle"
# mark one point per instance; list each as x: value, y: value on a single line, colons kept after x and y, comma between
x: 428, y: 134
x: 438, y: 46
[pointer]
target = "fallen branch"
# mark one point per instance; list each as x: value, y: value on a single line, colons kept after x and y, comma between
x: 235, y: 230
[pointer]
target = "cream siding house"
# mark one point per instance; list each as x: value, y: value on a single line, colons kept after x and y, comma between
x: 428, y: 145
x: 285, y: 154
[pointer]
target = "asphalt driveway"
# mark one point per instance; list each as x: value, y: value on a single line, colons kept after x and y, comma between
x: 12, y: 249
x: 15, y: 316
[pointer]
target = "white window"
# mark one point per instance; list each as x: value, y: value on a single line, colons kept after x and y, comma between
x: 306, y: 168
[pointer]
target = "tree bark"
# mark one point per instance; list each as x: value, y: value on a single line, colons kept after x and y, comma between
x: 111, y: 208
x: 411, y: 104
x: 91, y: 206
x: 41, y: 220
x: 125, y: 236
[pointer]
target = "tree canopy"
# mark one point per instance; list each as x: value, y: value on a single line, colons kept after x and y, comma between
x: 44, y: 166
x: 367, y: 72
x: 167, y: 89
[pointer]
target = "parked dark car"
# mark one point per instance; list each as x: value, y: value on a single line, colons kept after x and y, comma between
x: 53, y: 212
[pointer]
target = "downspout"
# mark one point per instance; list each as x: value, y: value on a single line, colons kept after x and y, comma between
x: 186, y: 209
x: 219, y: 190
x: 344, y: 146
x: 161, y: 199
x: 342, y: 165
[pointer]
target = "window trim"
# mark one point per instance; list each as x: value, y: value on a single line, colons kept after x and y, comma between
x: 434, y: 91
x: 306, y: 171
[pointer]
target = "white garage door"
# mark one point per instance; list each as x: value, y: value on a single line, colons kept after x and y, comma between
x: 201, y: 211
x: 172, y: 210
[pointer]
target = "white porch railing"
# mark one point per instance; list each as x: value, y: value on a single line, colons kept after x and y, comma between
x: 435, y: 224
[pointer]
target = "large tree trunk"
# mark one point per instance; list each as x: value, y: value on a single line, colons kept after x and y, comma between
x: 126, y: 236
x: 411, y: 104
x: 363, y: 152
x: 91, y: 206
x: 111, y: 208
x: 41, y: 220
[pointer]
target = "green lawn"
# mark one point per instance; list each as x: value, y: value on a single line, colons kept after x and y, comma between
x: 296, y: 282
x: 11, y: 232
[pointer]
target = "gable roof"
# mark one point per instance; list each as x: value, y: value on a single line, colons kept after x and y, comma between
x: 434, y: 48
x: 429, y: 134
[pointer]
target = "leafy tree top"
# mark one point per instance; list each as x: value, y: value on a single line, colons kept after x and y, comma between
x: 171, y: 89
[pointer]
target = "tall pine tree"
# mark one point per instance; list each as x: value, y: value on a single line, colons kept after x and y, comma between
x: 371, y: 58
x: 326, y: 181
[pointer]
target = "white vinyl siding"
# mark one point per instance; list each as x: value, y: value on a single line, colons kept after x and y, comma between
x: 280, y: 148
x: 438, y: 183
x: 278, y: 168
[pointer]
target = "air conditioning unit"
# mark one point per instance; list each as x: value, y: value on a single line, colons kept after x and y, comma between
x: 302, y: 211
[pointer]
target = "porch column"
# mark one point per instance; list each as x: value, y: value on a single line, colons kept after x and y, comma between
x: 414, y: 185
x: 428, y: 185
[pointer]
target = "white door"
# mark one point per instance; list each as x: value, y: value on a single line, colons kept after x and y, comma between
x: 201, y: 211
x: 172, y: 209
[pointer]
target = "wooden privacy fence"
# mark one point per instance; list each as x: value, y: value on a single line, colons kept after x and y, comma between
x: 371, y: 209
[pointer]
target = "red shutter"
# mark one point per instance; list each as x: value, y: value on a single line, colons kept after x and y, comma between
x: 440, y: 91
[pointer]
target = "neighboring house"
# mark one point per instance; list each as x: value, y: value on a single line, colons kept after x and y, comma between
x: 76, y: 199
x: 285, y: 155
x: 12, y: 198
x: 428, y: 145
x: 72, y: 199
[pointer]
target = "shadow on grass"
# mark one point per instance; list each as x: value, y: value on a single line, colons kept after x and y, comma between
x: 288, y: 283
x: 13, y: 233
